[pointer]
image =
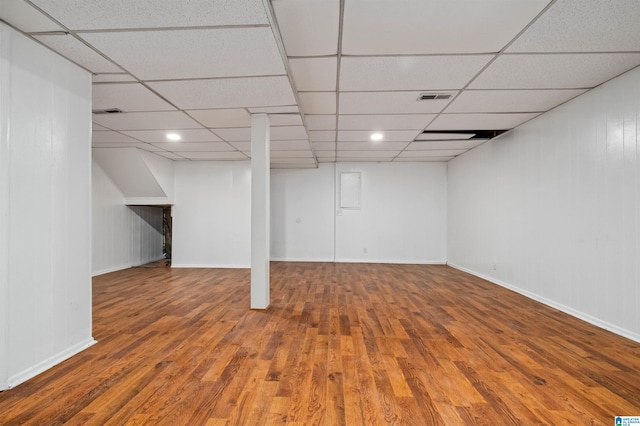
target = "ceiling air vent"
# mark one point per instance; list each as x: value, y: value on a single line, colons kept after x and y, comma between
x: 434, y: 96
x: 107, y: 111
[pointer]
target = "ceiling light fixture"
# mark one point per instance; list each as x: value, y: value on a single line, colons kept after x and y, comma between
x: 376, y: 137
x: 174, y: 137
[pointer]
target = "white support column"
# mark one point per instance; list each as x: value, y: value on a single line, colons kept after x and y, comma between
x: 260, y: 218
x: 4, y: 209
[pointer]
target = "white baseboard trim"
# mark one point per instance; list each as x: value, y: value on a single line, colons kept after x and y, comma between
x: 209, y: 265
x: 300, y: 259
x: 41, y: 367
x: 396, y: 261
x: 556, y: 305
x: 111, y: 269
x: 125, y: 266
x: 154, y: 259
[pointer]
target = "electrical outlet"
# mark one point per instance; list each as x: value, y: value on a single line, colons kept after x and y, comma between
x: 364, y: 250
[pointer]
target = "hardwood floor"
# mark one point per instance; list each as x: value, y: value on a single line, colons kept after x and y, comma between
x: 341, y: 344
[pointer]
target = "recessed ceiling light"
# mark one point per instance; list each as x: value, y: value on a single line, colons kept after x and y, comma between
x: 376, y: 137
x: 174, y: 137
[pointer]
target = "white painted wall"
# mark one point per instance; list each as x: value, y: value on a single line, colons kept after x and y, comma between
x: 142, y: 177
x: 46, y: 221
x: 162, y: 170
x: 123, y: 236
x: 302, y: 214
x: 552, y: 209
x: 212, y: 214
x: 402, y: 218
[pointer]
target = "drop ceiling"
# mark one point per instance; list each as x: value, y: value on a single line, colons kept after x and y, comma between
x: 330, y: 72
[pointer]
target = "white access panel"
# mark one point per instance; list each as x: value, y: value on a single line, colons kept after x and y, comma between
x: 350, y: 188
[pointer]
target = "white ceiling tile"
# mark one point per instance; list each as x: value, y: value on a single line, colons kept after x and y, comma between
x: 285, y: 119
x: 288, y: 133
x: 242, y: 146
x: 511, y: 100
x: 227, y: 92
x: 433, y: 26
x: 234, y: 134
x: 443, y: 136
x: 111, y: 137
x: 276, y: 155
x: 322, y: 135
x: 433, y: 153
x: 274, y: 110
x: 388, y: 103
x: 308, y: 28
x: 465, y: 144
x: 409, y: 72
x: 187, y: 135
x: 584, y: 26
x: 292, y: 166
x: 421, y: 159
x: 212, y: 155
x: 119, y: 14
x: 193, y: 53
x: 318, y: 102
x: 128, y: 97
x: 372, y: 146
x: 173, y: 120
x: 325, y: 154
x: 23, y: 16
x: 140, y: 145
x: 169, y: 155
x: 150, y: 148
x: 367, y: 154
x: 479, y: 121
x: 314, y: 74
x: 324, y: 146
x: 387, y: 135
x: 95, y: 127
x: 363, y: 159
x: 292, y: 145
x: 554, y: 71
x: 236, y: 117
x: 73, y: 49
x: 194, y: 146
x: 304, y: 162
x: 385, y: 122
x: 111, y: 78
x: 321, y: 122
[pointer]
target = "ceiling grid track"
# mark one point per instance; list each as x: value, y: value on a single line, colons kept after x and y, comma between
x: 330, y: 73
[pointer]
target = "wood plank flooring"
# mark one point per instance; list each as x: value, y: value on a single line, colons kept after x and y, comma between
x: 341, y: 344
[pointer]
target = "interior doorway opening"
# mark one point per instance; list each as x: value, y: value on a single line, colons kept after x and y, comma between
x: 154, y: 235
x: 167, y: 226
